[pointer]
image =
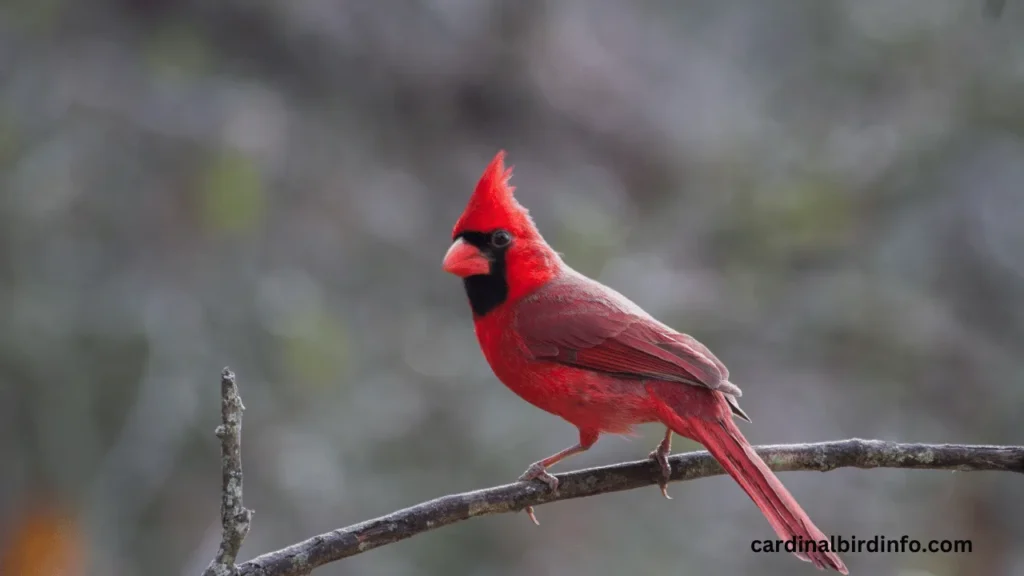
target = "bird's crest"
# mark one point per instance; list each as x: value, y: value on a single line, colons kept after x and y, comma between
x: 493, y: 206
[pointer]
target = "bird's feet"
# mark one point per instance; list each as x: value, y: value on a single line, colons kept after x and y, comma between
x: 660, y: 455
x: 537, y: 472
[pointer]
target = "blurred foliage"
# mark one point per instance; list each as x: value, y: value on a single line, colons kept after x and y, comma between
x: 829, y: 194
x: 45, y: 542
x: 231, y: 193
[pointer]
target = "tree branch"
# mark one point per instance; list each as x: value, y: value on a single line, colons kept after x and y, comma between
x: 234, y: 517
x: 300, y: 559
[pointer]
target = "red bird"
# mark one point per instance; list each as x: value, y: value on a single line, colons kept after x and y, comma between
x: 574, y: 347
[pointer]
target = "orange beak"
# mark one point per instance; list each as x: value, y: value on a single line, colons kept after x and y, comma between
x: 464, y: 260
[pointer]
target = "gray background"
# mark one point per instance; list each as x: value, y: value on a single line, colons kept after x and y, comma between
x: 829, y: 194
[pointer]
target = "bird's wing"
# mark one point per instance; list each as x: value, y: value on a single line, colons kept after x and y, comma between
x: 582, y: 323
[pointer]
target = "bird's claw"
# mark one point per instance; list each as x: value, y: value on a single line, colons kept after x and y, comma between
x: 661, y: 457
x: 537, y: 472
x: 530, y: 513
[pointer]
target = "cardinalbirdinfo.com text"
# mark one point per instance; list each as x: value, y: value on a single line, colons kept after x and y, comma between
x: 874, y: 545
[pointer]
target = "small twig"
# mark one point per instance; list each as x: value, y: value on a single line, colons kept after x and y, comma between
x: 235, y: 518
x: 303, y: 557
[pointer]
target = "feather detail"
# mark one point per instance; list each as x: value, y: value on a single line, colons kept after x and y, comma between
x: 493, y: 205
x: 577, y: 321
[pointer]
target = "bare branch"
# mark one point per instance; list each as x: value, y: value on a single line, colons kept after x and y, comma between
x: 303, y: 557
x: 235, y: 518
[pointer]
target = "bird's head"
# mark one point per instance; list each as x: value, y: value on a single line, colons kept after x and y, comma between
x: 496, y: 248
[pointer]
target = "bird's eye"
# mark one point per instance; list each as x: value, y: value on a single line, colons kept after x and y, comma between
x: 500, y: 239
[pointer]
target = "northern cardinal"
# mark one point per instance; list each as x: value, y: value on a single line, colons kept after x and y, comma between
x: 578, y: 349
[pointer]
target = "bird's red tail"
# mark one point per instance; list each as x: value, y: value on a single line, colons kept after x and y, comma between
x: 726, y: 443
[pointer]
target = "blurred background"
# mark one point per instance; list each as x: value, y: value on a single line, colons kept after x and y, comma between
x: 829, y: 194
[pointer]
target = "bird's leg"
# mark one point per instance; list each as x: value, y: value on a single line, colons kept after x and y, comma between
x: 538, y: 470
x: 660, y: 455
